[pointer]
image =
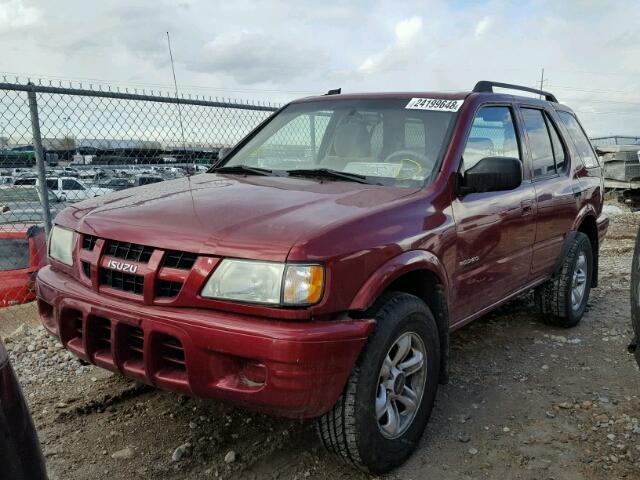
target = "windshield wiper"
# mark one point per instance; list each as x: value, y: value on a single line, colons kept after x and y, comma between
x: 328, y: 173
x: 243, y: 169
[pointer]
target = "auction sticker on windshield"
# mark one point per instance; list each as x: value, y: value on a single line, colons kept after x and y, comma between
x: 435, y: 104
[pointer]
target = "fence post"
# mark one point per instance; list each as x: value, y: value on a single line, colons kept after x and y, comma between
x: 37, y: 145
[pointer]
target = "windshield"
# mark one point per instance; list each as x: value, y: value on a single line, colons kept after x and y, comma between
x: 381, y: 140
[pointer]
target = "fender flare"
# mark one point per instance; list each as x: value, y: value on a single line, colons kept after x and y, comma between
x: 392, y: 270
x: 584, y: 212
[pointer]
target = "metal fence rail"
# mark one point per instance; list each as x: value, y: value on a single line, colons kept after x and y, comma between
x: 83, y: 142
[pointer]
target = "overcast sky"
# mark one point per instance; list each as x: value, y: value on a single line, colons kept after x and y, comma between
x: 278, y: 50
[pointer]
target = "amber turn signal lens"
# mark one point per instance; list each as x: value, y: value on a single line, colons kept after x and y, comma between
x: 303, y: 284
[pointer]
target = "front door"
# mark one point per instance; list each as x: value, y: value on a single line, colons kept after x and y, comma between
x: 495, y: 230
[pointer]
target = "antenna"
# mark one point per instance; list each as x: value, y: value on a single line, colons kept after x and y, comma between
x: 175, y: 83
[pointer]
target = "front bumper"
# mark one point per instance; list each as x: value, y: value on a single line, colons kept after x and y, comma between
x: 292, y: 369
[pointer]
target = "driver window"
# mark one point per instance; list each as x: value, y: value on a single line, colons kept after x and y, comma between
x: 492, y: 134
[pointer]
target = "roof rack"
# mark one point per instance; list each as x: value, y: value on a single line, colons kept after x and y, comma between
x: 335, y: 91
x: 487, y: 86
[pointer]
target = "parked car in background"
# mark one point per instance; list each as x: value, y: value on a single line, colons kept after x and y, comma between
x: 67, y: 189
x: 20, y: 454
x: 621, y: 171
x: 22, y: 253
x: 146, y: 180
x: 318, y: 269
x: 115, y: 184
x: 21, y: 204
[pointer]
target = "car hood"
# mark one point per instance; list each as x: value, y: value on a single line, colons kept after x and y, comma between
x: 228, y: 215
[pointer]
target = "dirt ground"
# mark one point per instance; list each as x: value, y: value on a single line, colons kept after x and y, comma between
x: 525, y: 401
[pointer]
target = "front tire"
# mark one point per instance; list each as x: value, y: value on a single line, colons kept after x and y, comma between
x: 563, y: 299
x: 379, y: 419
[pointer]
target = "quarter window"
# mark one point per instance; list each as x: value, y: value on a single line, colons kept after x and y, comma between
x: 492, y: 135
x: 582, y: 143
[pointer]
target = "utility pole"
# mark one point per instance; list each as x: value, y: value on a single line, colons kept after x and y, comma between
x: 542, y: 81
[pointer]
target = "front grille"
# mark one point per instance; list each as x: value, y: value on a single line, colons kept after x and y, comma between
x: 167, y: 289
x: 181, y: 260
x: 128, y: 251
x: 122, y: 281
x: 171, y: 353
x: 88, y: 242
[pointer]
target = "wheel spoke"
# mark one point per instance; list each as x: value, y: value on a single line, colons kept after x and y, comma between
x: 393, y: 419
x: 404, y: 345
x: 412, y: 364
x: 409, y: 399
x: 385, y: 372
x: 381, y: 402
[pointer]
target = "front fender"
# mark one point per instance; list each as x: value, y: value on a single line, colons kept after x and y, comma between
x: 394, y: 269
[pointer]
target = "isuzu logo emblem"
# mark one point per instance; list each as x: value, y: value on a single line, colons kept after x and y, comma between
x: 122, y: 266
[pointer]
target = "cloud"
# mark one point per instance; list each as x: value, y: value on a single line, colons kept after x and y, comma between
x: 407, y: 29
x: 252, y: 57
x: 483, y: 26
x: 16, y: 15
x: 406, y: 33
x: 276, y: 50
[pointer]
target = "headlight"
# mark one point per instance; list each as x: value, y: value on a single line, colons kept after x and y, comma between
x: 61, y: 245
x: 266, y: 282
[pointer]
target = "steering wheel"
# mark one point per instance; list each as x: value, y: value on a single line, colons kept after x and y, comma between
x: 411, y: 163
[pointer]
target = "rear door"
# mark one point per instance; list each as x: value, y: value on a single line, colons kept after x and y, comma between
x: 555, y: 189
x: 495, y: 230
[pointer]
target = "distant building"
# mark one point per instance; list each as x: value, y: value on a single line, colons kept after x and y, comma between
x: 115, y: 144
x: 615, y: 140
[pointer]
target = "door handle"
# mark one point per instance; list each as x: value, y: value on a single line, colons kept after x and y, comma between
x: 526, y: 207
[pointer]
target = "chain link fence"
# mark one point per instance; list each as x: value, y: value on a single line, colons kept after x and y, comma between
x: 85, y: 142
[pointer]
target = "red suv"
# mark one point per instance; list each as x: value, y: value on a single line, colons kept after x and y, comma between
x: 318, y: 268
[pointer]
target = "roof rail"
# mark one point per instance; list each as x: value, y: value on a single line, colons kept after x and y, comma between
x: 335, y: 91
x: 487, y: 86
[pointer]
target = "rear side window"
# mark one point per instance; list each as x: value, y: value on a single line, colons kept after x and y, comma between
x: 582, y: 143
x: 14, y: 254
x: 492, y: 135
x: 52, y: 184
x: 71, y: 185
x: 25, y: 181
x: 547, y: 152
x: 539, y: 143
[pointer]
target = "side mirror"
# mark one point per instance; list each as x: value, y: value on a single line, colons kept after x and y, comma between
x: 492, y: 174
x: 223, y: 152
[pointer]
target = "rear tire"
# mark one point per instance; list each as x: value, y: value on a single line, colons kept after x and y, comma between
x: 563, y: 299
x: 379, y: 419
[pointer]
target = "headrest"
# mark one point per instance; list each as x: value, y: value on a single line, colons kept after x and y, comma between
x: 352, y: 140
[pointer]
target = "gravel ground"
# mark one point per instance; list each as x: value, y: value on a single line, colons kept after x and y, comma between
x: 525, y: 401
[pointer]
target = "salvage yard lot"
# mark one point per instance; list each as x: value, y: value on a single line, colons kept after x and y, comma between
x: 525, y: 400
